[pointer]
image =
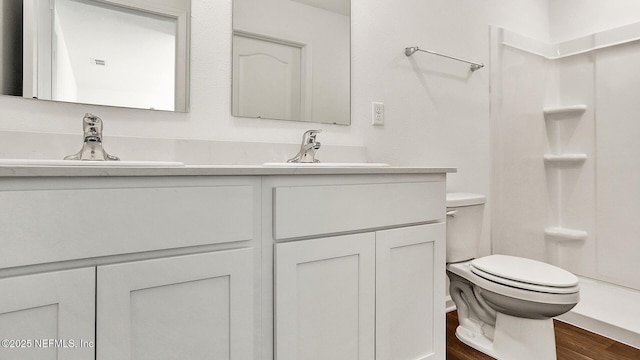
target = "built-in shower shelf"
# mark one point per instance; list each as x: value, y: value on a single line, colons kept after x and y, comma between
x: 565, y: 110
x: 564, y: 234
x: 565, y: 159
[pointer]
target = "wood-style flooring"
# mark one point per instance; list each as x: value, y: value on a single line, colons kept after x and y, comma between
x: 572, y: 343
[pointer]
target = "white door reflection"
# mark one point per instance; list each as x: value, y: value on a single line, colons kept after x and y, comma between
x: 267, y: 80
x: 321, y: 30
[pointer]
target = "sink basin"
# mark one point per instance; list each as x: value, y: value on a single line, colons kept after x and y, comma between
x: 38, y: 162
x: 323, y: 164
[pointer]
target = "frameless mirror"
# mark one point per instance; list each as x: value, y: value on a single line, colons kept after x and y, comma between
x: 131, y: 53
x: 291, y: 60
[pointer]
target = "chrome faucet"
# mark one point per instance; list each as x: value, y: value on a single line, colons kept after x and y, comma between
x: 307, y: 153
x: 92, y: 146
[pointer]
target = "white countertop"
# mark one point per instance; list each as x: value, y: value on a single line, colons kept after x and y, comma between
x: 206, y: 170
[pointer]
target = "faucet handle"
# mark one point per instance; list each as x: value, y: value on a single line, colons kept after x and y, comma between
x: 310, y: 136
x: 92, y: 148
x: 307, y: 153
x: 92, y: 125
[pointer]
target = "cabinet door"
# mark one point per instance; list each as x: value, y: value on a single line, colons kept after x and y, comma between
x: 48, y: 316
x: 186, y: 307
x: 324, y: 305
x: 410, y: 294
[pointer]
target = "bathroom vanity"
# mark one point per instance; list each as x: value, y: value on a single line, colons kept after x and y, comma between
x: 222, y: 262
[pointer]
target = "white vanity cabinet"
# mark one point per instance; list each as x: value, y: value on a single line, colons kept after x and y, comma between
x: 36, y: 310
x: 358, y: 267
x: 143, y: 267
x: 233, y: 263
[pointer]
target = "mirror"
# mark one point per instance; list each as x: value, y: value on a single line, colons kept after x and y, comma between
x: 291, y: 60
x: 131, y: 53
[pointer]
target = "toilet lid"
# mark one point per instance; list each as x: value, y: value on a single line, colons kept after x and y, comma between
x: 525, y: 273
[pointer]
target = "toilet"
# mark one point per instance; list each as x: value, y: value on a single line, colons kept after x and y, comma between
x: 505, y: 303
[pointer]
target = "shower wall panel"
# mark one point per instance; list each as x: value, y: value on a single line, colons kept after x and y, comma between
x: 618, y: 164
x: 573, y: 185
x: 600, y: 196
x: 520, y: 207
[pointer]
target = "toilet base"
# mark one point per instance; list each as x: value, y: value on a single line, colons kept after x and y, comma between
x: 475, y: 341
x: 515, y: 338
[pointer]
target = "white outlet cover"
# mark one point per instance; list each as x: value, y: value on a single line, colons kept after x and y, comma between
x: 377, y: 113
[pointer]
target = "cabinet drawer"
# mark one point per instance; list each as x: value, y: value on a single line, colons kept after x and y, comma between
x: 302, y: 211
x: 40, y: 226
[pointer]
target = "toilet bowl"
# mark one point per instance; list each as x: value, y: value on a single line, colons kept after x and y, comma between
x: 505, y: 303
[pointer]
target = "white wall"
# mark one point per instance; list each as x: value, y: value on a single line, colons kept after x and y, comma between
x: 574, y: 18
x: 618, y: 170
x: 520, y: 209
x: 612, y: 73
x: 574, y: 201
x: 436, y: 111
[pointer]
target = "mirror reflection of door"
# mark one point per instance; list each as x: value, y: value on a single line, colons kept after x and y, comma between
x: 267, y: 80
x: 321, y: 30
x: 101, y: 52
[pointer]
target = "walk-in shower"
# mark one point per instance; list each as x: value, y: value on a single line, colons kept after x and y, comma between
x: 565, y: 165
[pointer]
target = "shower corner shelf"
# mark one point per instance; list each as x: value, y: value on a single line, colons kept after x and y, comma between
x: 565, y: 110
x: 565, y: 159
x: 564, y: 234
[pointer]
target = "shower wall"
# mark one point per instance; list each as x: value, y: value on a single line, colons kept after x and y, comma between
x: 580, y: 209
x: 573, y: 201
x: 618, y: 164
x: 519, y: 188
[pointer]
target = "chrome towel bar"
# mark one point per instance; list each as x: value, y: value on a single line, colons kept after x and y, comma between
x: 412, y: 49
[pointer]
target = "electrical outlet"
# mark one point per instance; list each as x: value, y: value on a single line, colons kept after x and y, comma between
x: 377, y: 113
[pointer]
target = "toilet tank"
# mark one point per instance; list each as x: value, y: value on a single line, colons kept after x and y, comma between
x: 464, y: 225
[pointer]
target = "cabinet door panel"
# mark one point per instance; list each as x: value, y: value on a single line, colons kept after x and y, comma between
x: 187, y: 307
x: 410, y: 293
x: 325, y: 298
x: 48, y: 316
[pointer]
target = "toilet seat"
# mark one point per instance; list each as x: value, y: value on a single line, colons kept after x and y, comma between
x: 517, y: 292
x: 524, y: 286
x: 525, y: 274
